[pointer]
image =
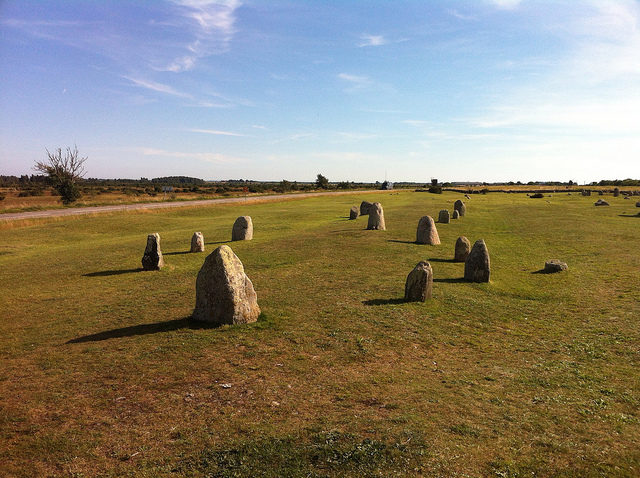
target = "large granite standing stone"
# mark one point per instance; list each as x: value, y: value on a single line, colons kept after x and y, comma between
x: 419, y: 284
x: 460, y: 207
x: 224, y: 293
x: 364, y: 207
x: 463, y: 247
x: 554, y: 265
x: 444, y: 216
x: 354, y: 212
x: 197, y: 242
x: 152, y: 259
x: 455, y: 214
x: 242, y: 229
x: 376, y: 217
x: 601, y: 202
x: 616, y: 192
x: 477, y: 267
x: 427, y: 232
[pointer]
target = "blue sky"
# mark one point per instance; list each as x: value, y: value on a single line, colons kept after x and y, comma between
x: 486, y: 90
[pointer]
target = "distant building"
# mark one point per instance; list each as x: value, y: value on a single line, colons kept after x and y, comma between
x: 387, y: 186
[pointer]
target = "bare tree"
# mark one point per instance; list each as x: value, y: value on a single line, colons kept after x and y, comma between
x: 64, y: 172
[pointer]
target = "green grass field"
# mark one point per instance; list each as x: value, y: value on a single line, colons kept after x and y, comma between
x: 103, y: 373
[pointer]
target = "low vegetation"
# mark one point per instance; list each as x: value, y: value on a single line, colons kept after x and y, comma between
x: 104, y: 374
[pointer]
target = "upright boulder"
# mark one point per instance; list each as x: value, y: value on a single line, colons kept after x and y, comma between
x: 376, y: 217
x: 242, y: 229
x: 616, y: 192
x: 152, y: 259
x: 463, y: 247
x: 477, y: 267
x: 364, y: 208
x: 224, y: 293
x: 354, y: 212
x: 427, y: 232
x: 419, y: 284
x: 444, y: 216
x: 460, y: 207
x: 197, y: 242
x: 455, y: 214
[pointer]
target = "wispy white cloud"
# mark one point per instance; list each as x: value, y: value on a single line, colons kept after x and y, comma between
x: 356, y: 82
x: 461, y: 16
x: 505, y: 4
x: 351, y: 136
x: 216, y: 132
x: 212, y: 25
x: 372, y: 40
x: 200, y: 156
x: 157, y: 87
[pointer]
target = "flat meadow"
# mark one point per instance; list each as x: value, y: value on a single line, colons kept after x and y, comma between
x: 104, y: 374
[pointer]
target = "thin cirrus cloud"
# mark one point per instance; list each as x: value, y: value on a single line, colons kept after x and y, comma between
x: 372, y: 40
x: 210, y: 23
x: 157, y: 87
x: 216, y: 132
x: 207, y: 157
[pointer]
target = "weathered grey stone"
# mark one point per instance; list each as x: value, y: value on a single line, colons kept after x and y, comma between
x: 242, y: 229
x: 586, y: 192
x: 554, y: 265
x: 364, y: 207
x: 463, y: 247
x: 616, y: 192
x: 601, y: 202
x: 354, y: 212
x: 419, y: 284
x: 224, y: 293
x: 467, y: 196
x: 460, y: 207
x: 444, y: 216
x: 197, y: 242
x: 152, y: 259
x: 477, y: 267
x: 455, y: 214
x: 427, y: 232
x: 376, y: 217
x: 638, y: 204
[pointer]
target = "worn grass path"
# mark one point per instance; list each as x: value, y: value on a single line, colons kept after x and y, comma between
x: 103, y: 374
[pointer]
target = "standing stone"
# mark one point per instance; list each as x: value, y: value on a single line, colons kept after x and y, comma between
x: 463, y: 247
x: 477, y: 267
x: 427, y: 232
x: 354, y: 212
x: 224, y: 293
x: 152, y: 259
x: 601, y: 202
x: 419, y: 284
x: 554, y: 265
x: 376, y: 217
x: 197, y: 242
x: 460, y: 207
x: 616, y: 192
x: 444, y: 217
x: 242, y: 229
x: 638, y: 204
x: 455, y: 214
x: 364, y: 208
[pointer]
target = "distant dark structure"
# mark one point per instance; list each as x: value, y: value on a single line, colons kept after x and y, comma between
x: 434, y: 182
x: 387, y: 186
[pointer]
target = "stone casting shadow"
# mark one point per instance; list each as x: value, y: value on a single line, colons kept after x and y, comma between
x: 402, y: 242
x: 383, y: 301
x: 542, y: 271
x: 112, y: 273
x: 144, y: 329
x: 456, y: 280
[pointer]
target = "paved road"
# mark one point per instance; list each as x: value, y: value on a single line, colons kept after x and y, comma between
x: 75, y: 211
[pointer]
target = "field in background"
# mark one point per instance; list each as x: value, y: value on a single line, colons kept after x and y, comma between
x: 103, y: 373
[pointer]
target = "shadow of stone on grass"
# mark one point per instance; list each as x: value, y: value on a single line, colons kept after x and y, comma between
x: 113, y: 272
x: 144, y: 329
x: 454, y: 280
x: 383, y: 301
